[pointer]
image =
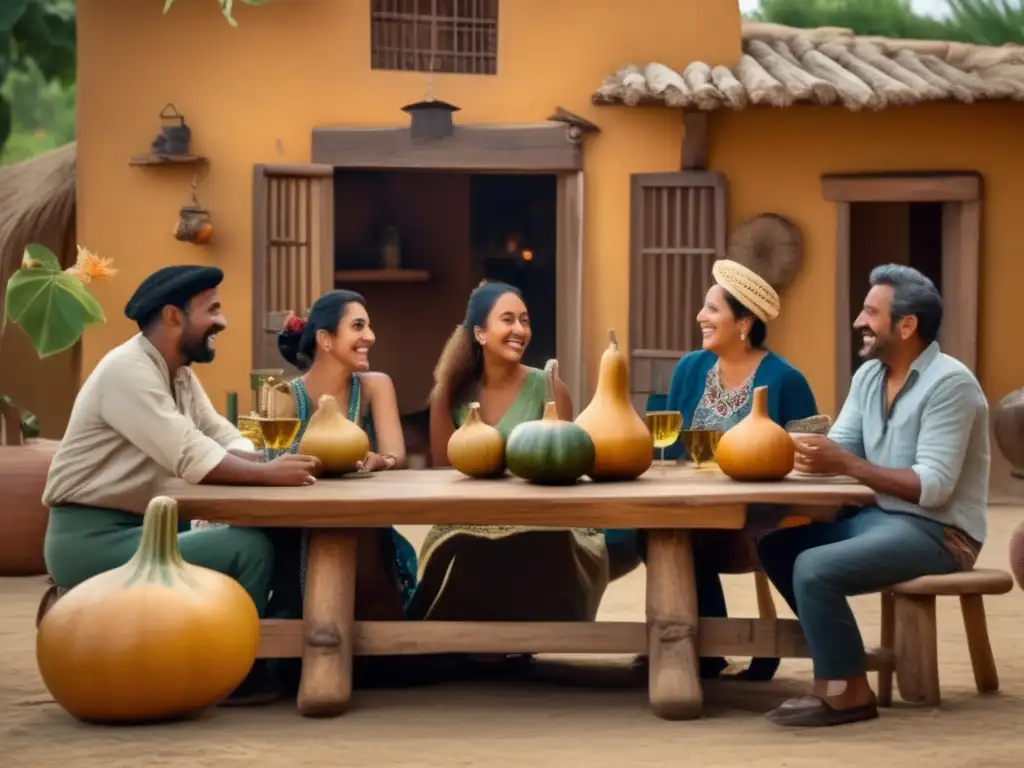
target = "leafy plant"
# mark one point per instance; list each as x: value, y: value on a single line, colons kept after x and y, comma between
x: 39, y: 32
x: 29, y: 423
x: 53, y: 306
x: 225, y: 8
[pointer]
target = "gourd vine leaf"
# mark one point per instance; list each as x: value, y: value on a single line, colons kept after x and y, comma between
x: 52, y: 307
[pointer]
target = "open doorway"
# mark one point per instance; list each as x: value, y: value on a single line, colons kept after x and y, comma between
x: 514, y: 240
x: 891, y: 233
x: 931, y: 221
x: 415, y: 243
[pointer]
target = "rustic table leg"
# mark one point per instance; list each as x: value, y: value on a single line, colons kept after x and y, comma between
x: 674, y: 679
x: 328, y: 614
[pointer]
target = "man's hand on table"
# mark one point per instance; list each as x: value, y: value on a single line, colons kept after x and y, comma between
x: 292, y: 469
x: 817, y: 455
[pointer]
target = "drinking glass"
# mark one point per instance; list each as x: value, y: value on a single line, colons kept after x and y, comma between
x: 701, y: 444
x: 249, y: 426
x: 277, y: 433
x: 664, y: 427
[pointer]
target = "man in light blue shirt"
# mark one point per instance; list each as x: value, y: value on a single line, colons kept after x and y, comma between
x: 914, y: 429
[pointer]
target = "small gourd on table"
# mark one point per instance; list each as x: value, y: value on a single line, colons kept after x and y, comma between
x: 756, y: 449
x: 338, y: 443
x: 476, y: 448
x: 623, y: 445
x: 549, y: 450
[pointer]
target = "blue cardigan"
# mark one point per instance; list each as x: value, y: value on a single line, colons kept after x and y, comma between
x: 789, y: 395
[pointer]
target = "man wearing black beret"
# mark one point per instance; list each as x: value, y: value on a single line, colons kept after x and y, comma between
x: 142, y: 417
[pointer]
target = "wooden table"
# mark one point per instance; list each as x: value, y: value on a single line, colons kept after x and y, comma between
x: 667, y: 501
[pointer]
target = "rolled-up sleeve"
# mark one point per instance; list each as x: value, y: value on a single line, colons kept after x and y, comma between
x: 140, y: 408
x: 946, y: 424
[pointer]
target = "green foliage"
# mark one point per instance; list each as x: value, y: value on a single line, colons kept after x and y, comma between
x: 39, y: 34
x: 52, y: 306
x: 990, y: 22
x: 984, y: 22
x: 29, y: 422
x: 225, y: 8
x: 43, y: 114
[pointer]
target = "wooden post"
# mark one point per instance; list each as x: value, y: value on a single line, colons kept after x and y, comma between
x: 986, y: 677
x: 887, y: 641
x: 674, y: 679
x: 328, y: 615
x: 917, y: 649
x: 694, y: 155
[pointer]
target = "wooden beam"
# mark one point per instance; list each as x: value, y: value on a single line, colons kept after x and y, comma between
x: 571, y: 119
x: 764, y: 638
x: 543, y: 147
x: 694, y: 156
x: 902, y: 188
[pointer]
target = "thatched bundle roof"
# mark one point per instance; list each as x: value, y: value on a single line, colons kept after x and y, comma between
x: 37, y: 204
x: 782, y: 66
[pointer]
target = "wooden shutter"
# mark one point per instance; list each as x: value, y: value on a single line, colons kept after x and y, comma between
x: 293, y: 249
x: 677, y: 230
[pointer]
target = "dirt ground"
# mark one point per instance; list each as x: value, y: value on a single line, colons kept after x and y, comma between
x: 562, y: 721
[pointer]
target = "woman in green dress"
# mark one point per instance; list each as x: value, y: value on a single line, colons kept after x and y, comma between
x: 501, y: 573
x: 331, y: 347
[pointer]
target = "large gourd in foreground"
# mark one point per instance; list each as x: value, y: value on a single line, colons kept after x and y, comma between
x: 476, y: 448
x: 756, y: 449
x: 623, y: 446
x: 155, y: 639
x: 338, y: 443
x: 549, y: 450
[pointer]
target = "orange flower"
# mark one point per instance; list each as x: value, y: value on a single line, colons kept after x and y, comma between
x: 89, y: 266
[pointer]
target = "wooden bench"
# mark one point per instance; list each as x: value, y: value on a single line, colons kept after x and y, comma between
x: 909, y: 633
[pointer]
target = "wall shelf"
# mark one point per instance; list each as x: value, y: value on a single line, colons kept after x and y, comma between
x: 381, y: 276
x: 153, y: 159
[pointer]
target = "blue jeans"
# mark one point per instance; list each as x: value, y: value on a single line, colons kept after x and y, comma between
x: 816, y: 567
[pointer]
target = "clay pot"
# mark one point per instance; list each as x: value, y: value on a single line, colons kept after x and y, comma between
x: 1017, y: 555
x: 23, y: 517
x: 1009, y: 429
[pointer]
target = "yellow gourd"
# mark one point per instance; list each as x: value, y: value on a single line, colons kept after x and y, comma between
x: 756, y: 449
x: 476, y: 448
x: 331, y: 437
x: 623, y: 445
x: 155, y: 639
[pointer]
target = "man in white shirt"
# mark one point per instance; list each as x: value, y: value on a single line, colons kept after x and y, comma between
x: 142, y: 417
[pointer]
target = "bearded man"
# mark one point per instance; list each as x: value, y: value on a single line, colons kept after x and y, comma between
x: 914, y: 429
x: 142, y: 417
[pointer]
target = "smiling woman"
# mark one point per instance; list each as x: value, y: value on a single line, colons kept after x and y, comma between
x: 501, y: 573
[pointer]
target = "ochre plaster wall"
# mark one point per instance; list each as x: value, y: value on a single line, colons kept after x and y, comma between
x: 252, y: 95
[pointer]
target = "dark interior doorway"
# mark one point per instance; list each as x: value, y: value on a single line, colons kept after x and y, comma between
x: 891, y: 233
x: 514, y: 239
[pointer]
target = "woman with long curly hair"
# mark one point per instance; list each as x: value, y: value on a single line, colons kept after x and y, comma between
x: 495, y: 573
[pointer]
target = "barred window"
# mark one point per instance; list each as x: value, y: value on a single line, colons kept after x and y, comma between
x: 459, y: 36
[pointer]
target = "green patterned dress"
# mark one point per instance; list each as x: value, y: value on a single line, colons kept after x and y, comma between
x: 511, y: 573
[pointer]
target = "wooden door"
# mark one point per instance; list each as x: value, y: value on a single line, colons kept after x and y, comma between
x: 677, y: 231
x: 293, y: 249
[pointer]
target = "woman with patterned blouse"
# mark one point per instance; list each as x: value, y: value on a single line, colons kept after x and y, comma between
x: 713, y: 388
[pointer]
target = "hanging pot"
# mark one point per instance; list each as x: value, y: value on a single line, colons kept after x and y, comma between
x: 24, y: 464
x: 1009, y: 429
x: 194, y: 225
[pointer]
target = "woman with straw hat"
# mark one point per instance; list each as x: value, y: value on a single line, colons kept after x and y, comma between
x: 713, y: 389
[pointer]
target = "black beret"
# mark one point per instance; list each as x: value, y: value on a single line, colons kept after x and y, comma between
x: 173, y: 286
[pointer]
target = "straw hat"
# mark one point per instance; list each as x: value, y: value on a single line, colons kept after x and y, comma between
x: 747, y: 288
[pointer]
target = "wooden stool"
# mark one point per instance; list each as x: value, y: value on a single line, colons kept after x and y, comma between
x: 909, y: 632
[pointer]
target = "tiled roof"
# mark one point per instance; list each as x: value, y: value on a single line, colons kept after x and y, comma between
x: 783, y: 66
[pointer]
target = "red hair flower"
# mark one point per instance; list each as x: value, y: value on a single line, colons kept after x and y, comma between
x: 293, y: 323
